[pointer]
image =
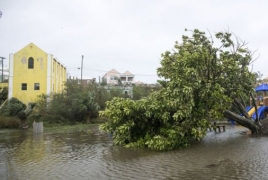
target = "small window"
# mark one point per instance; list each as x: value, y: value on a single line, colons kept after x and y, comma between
x: 23, y: 86
x: 114, y: 77
x: 30, y: 63
x: 36, y: 86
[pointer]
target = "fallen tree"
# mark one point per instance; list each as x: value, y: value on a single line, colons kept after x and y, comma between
x: 199, y: 80
x: 255, y: 126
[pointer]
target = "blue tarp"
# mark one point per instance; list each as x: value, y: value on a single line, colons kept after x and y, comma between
x: 263, y: 87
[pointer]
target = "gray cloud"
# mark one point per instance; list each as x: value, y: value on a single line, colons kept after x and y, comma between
x: 125, y: 34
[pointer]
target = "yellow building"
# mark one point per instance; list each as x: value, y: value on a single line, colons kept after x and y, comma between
x: 33, y: 72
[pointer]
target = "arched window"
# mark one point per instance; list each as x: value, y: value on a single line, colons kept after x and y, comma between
x: 30, y: 63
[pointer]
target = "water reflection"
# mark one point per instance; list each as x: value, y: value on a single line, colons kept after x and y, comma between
x: 228, y: 155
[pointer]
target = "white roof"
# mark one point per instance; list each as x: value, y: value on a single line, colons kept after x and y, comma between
x: 127, y: 73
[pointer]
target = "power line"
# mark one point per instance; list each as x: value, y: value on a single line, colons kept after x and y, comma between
x: 88, y: 69
x: 96, y: 69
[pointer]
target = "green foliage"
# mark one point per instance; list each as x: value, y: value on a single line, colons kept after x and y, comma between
x: 148, y: 123
x: 9, y: 122
x: 200, y: 81
x: 76, y: 104
x: 115, y: 92
x: 13, y: 107
x: 141, y: 91
x: 3, y: 94
x: 85, y: 105
x: 207, y: 76
x: 102, y: 95
x: 78, y: 128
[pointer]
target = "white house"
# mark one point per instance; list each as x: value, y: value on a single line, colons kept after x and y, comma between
x: 111, y: 77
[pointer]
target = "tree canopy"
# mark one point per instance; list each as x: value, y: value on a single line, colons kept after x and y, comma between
x: 81, y: 103
x: 201, y: 76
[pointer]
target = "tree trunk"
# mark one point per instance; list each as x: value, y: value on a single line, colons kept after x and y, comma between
x: 243, y: 121
x: 256, y: 127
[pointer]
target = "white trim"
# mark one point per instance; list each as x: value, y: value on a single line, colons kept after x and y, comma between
x: 49, y: 58
x: 10, y: 78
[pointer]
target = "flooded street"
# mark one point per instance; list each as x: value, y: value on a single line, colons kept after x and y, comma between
x: 226, y: 155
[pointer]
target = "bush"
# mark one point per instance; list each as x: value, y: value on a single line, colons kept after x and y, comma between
x: 9, y: 122
x: 13, y: 107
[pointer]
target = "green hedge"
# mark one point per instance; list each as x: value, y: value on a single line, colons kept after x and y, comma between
x: 9, y: 122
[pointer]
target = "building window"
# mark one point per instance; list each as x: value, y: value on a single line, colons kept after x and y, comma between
x: 30, y: 63
x: 36, y: 86
x: 114, y: 77
x: 23, y: 86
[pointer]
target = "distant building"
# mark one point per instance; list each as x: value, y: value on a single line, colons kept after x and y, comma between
x: 122, y: 81
x: 33, y: 72
x: 87, y: 81
x: 112, y: 77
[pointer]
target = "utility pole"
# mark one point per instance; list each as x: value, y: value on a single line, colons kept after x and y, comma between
x: 2, y: 58
x: 82, y: 69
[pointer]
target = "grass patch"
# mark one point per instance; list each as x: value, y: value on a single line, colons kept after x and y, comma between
x: 14, y: 123
x: 78, y: 128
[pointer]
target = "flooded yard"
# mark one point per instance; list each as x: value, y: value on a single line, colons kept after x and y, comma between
x: 232, y: 154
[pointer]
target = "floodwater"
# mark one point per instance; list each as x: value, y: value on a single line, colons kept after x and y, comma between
x: 226, y: 155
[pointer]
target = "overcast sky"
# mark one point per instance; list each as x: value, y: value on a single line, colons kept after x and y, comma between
x: 126, y: 34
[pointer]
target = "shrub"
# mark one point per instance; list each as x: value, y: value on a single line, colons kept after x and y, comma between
x: 9, y: 122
